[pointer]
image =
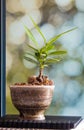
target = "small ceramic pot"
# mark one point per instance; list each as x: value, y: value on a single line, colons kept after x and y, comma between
x: 31, y: 100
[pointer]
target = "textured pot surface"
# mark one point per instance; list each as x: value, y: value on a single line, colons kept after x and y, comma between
x: 31, y: 101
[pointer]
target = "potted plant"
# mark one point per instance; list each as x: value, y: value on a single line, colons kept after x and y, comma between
x: 35, y: 96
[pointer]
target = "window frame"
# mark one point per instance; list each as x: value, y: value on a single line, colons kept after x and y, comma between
x: 3, y: 60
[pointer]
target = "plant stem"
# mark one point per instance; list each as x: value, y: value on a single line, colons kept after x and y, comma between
x: 40, y: 72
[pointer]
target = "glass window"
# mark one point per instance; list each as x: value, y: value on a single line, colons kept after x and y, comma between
x: 53, y: 17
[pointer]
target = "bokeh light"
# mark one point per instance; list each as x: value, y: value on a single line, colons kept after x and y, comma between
x: 79, y: 5
x: 72, y: 39
x: 78, y: 20
x: 72, y: 68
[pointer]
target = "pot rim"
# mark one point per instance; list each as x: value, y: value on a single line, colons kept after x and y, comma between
x: 32, y: 86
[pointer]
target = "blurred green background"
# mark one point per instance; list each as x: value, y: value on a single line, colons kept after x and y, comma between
x: 53, y: 17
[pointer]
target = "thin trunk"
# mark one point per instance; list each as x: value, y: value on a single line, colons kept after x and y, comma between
x: 40, y: 72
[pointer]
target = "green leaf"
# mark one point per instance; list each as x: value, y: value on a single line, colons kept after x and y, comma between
x: 38, y: 29
x: 30, y: 59
x: 48, y: 54
x: 33, y: 55
x: 45, y: 65
x: 48, y: 48
x: 52, y: 60
x: 32, y: 47
x: 31, y: 35
x: 57, y: 52
x: 58, y: 36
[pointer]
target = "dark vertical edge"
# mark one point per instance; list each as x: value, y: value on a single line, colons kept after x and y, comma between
x: 3, y: 58
x: 0, y: 58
